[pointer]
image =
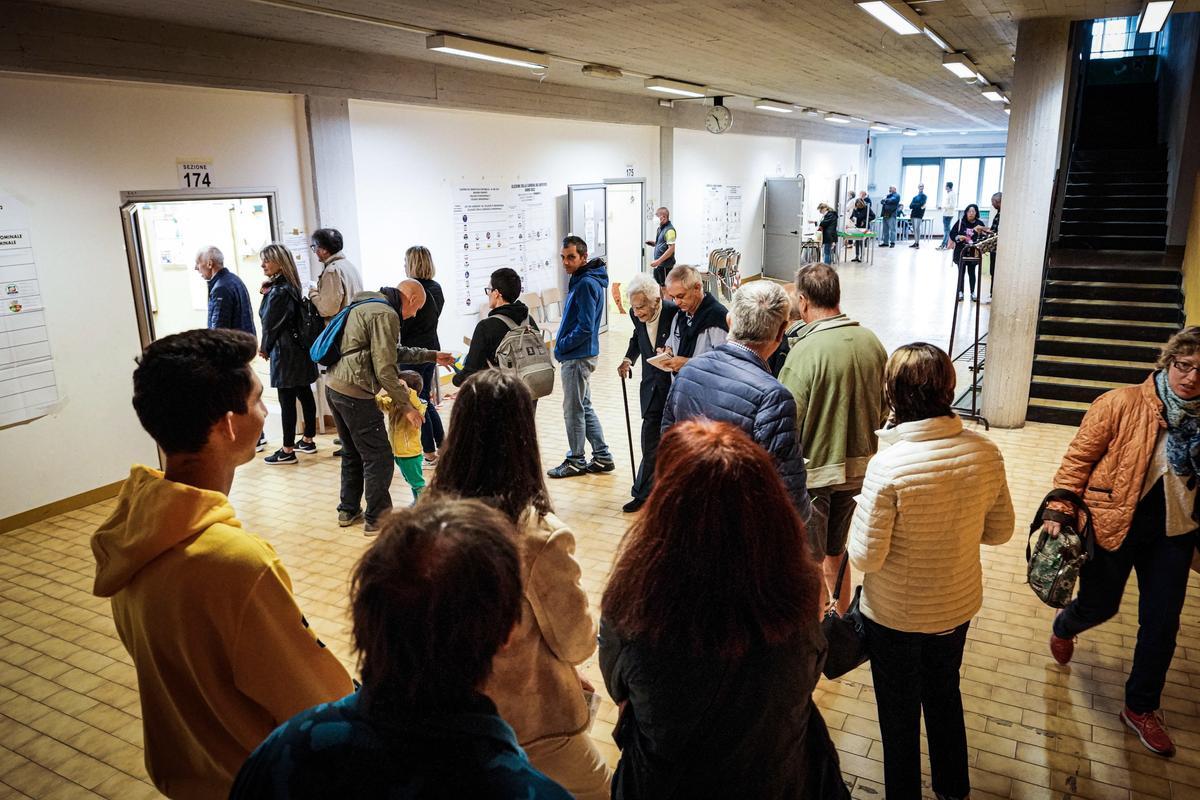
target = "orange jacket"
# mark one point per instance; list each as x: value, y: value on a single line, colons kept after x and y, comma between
x: 1107, y: 460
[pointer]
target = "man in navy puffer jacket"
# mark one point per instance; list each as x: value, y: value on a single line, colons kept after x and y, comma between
x: 733, y: 384
x: 575, y: 350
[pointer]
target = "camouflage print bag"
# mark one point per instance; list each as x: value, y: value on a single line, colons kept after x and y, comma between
x: 1054, y: 562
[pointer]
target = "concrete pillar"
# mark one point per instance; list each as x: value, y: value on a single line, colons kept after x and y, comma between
x: 666, y: 166
x: 332, y: 167
x: 1035, y: 132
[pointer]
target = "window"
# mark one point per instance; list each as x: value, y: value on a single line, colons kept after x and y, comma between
x: 993, y: 179
x: 975, y: 179
x: 1117, y: 37
x: 917, y: 172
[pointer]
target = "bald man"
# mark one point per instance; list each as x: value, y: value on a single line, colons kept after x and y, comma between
x: 370, y: 347
x: 664, y: 246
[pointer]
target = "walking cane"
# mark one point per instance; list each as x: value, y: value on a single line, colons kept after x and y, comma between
x: 628, y: 429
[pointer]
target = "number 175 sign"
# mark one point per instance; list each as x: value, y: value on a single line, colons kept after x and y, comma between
x: 195, y: 173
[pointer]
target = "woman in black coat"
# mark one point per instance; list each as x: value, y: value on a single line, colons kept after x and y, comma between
x: 969, y: 221
x: 862, y: 215
x: 422, y: 331
x: 828, y: 227
x: 713, y: 668
x: 292, y: 371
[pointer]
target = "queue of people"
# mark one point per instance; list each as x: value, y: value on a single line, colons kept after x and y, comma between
x: 469, y: 613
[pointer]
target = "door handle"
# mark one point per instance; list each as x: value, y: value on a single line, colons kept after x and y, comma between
x: 794, y: 233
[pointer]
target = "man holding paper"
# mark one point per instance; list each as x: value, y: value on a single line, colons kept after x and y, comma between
x: 652, y: 318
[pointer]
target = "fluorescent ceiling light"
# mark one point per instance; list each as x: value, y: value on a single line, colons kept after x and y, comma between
x: 960, y: 65
x: 994, y: 96
x: 774, y: 105
x: 485, y: 51
x: 933, y: 37
x: 679, y: 88
x: 897, y: 16
x: 879, y: 126
x: 838, y: 118
x: 909, y: 132
x: 1154, y: 16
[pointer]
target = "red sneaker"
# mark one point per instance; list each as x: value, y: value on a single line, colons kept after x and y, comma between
x: 1061, y: 649
x: 1150, y: 729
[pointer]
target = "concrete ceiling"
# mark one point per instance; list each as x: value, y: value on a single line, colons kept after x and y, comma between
x: 825, y: 54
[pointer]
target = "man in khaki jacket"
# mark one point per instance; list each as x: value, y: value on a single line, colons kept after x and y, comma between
x: 339, y: 281
x: 370, y: 351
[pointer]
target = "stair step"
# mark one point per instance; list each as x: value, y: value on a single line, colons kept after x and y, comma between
x: 1144, y: 332
x: 1119, y: 214
x: 1078, y: 392
x: 1077, y: 187
x: 1115, y: 274
x: 1148, y: 243
x: 1095, y: 309
x: 1111, y: 291
x: 1074, y: 368
x: 1155, y: 201
x: 1118, y: 155
x: 1133, y: 352
x: 1104, y: 176
x: 1113, y: 227
x: 1037, y: 411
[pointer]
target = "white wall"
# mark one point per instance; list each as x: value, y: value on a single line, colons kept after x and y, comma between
x: 69, y: 148
x: 890, y: 149
x: 733, y: 160
x: 822, y: 163
x: 408, y: 159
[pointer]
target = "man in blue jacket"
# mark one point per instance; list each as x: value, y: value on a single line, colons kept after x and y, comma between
x: 576, y: 349
x: 734, y: 384
x: 887, y: 210
x: 916, y: 210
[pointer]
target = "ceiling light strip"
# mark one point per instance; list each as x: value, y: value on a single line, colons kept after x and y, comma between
x: 1154, y: 15
x: 897, y: 16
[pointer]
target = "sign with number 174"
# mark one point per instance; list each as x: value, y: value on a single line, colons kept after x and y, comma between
x: 195, y: 173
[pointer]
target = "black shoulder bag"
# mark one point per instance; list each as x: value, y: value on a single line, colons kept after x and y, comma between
x: 845, y: 635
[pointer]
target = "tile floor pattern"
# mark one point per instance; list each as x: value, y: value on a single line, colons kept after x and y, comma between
x: 69, y: 711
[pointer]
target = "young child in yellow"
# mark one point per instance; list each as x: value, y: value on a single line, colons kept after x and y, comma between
x: 406, y: 437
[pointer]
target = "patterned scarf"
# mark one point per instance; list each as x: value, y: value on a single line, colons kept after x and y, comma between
x: 1183, y: 429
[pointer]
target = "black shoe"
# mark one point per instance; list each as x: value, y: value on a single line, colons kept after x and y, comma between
x: 914, y: 245
x: 346, y: 519
x: 567, y: 469
x: 339, y: 453
x: 337, y: 441
x: 856, y: 260
x: 281, y: 456
x: 597, y: 466
x: 262, y: 443
x: 306, y: 447
x: 633, y: 505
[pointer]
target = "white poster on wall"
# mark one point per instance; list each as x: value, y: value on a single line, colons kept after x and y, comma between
x: 722, y: 217
x: 733, y: 217
x: 28, y: 388
x: 501, y: 225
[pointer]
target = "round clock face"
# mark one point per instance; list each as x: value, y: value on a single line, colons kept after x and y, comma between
x: 718, y: 119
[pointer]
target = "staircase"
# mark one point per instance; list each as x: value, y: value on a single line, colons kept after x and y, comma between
x: 1104, y: 317
x: 1116, y: 200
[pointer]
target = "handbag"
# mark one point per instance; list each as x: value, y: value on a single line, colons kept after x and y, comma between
x: 845, y: 634
x: 1053, y: 564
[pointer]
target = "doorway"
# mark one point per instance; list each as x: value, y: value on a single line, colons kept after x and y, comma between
x: 163, y: 233
x: 611, y: 218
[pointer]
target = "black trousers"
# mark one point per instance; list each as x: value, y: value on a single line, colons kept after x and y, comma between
x: 287, y: 412
x: 1162, y: 563
x: 367, y: 461
x: 971, y: 268
x: 432, y: 432
x: 651, y: 433
x: 915, y: 672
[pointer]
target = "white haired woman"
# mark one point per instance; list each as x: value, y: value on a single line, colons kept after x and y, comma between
x: 652, y: 317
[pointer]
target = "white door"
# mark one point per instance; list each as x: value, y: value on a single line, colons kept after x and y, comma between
x: 626, y: 254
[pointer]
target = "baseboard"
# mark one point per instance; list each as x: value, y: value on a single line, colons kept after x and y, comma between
x: 60, y: 507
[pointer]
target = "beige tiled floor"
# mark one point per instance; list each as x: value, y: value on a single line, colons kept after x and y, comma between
x: 69, y: 711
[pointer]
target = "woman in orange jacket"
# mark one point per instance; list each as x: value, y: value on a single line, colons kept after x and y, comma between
x: 1135, y: 461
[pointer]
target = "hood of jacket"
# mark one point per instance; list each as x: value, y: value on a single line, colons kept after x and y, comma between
x: 517, y: 311
x: 153, y: 515
x: 594, y: 270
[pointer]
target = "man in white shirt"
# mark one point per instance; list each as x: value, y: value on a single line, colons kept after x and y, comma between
x: 949, y: 212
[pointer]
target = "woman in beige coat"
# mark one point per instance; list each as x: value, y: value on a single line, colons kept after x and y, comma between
x: 491, y: 453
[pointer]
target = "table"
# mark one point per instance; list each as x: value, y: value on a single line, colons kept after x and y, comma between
x: 866, y: 237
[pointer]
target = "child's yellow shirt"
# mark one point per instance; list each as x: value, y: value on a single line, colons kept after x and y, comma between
x: 406, y: 437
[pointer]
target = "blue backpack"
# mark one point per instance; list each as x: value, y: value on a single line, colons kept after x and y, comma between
x: 327, y: 349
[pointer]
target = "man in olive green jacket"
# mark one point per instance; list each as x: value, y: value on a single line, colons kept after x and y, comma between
x: 835, y: 371
x: 370, y: 347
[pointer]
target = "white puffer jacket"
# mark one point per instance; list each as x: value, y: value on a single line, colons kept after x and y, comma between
x: 927, y: 503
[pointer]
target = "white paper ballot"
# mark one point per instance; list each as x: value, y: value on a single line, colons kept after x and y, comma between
x: 658, y: 360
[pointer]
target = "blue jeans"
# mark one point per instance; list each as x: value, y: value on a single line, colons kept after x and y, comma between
x: 946, y: 223
x: 889, y: 230
x: 578, y: 414
x: 432, y: 432
x: 827, y: 251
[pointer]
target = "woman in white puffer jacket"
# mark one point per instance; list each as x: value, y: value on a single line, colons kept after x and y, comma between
x: 928, y: 501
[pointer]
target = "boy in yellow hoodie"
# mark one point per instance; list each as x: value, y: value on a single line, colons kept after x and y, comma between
x: 223, y: 654
x: 405, y: 436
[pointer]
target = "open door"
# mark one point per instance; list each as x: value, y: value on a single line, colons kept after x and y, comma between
x: 783, y: 221
x: 587, y: 217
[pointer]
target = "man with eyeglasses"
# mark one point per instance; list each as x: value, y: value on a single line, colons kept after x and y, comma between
x: 502, y: 292
x: 652, y: 318
x: 339, y: 280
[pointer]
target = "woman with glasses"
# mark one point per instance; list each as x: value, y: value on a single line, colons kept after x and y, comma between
x: 1135, y: 463
x: 502, y: 291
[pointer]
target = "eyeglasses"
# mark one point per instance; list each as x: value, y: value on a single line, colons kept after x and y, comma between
x: 1184, y: 368
x: 312, y: 247
x: 488, y: 290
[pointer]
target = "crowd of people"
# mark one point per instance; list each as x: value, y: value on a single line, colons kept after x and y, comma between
x: 468, y: 611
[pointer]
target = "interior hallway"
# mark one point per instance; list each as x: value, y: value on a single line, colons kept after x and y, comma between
x: 69, y: 710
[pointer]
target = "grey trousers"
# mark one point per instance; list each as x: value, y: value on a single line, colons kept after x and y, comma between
x: 366, y: 455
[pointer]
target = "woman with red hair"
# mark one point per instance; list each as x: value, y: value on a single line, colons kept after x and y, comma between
x: 710, y: 637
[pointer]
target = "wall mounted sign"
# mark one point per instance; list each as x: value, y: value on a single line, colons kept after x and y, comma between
x: 195, y: 173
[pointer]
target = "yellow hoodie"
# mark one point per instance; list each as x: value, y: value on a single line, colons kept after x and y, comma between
x: 205, y: 609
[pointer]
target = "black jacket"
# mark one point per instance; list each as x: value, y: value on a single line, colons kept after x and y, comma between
x: 487, y: 336
x: 655, y: 382
x: 699, y: 727
x: 422, y: 329
x: 709, y: 314
x: 862, y: 216
x: 955, y: 231
x: 280, y: 314
x: 828, y: 226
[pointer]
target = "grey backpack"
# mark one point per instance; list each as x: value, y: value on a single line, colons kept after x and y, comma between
x: 522, y: 352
